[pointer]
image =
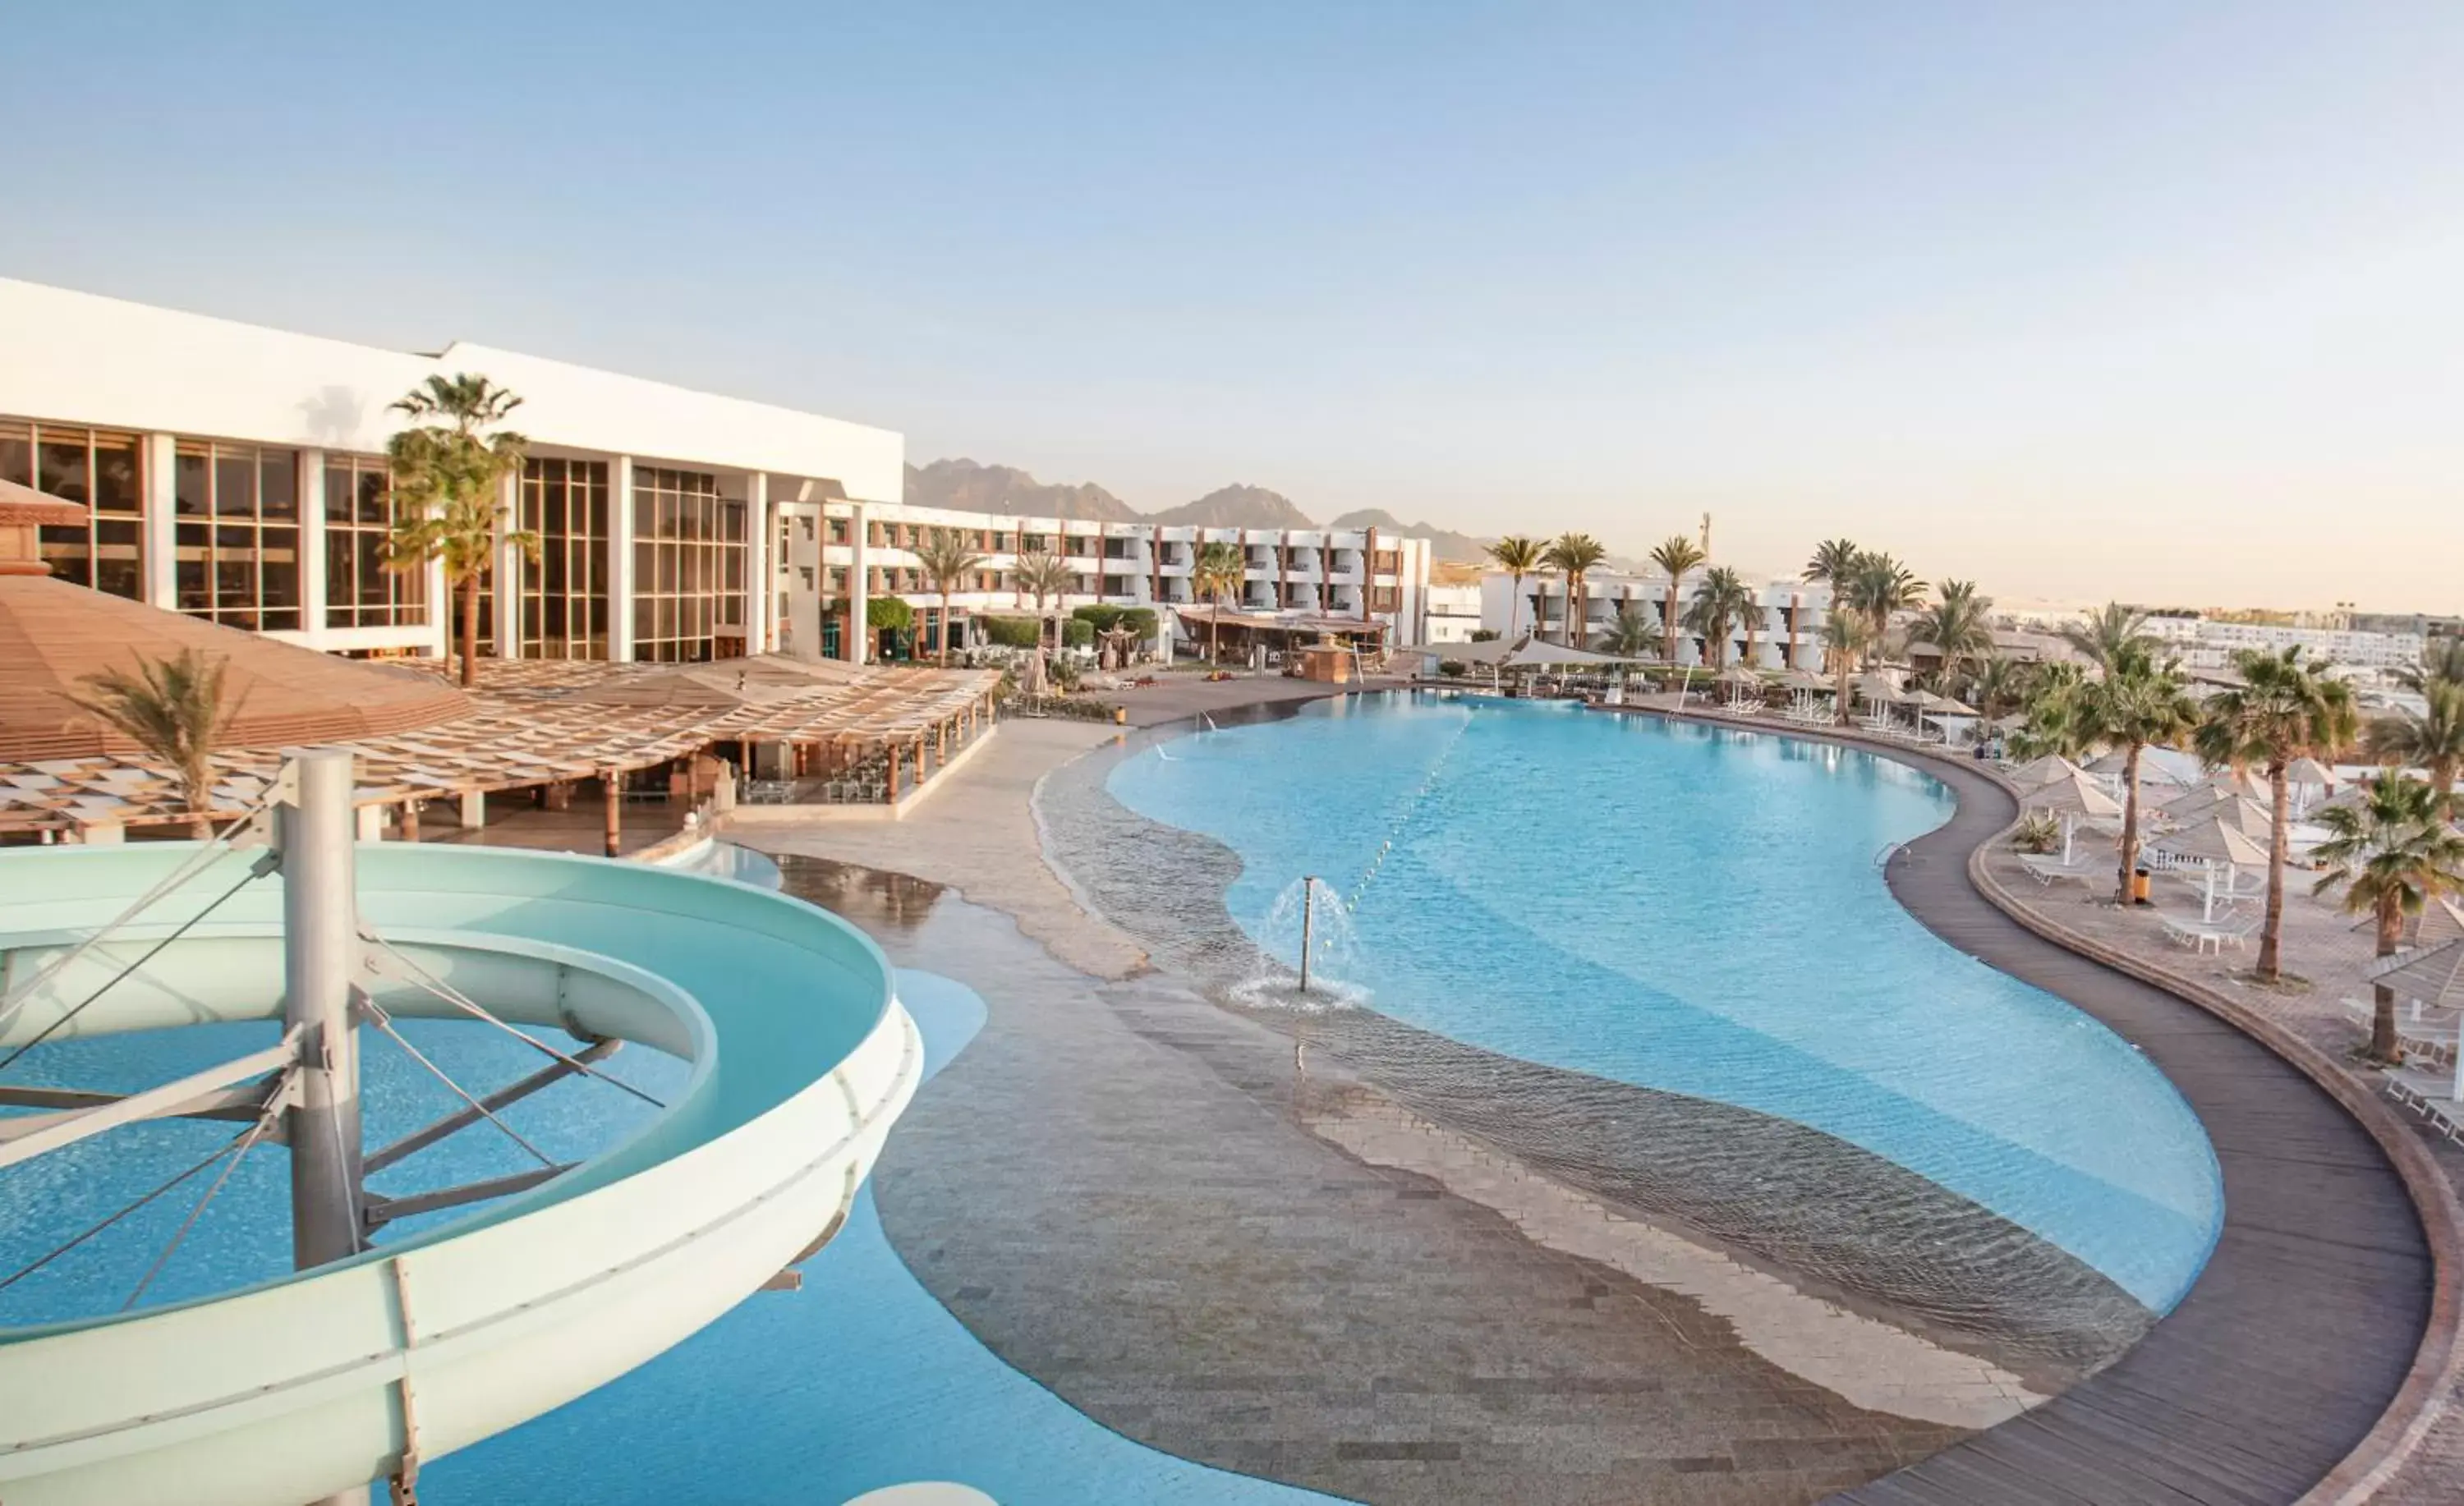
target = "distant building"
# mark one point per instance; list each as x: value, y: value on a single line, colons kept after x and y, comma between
x: 1786, y: 633
x: 2205, y: 642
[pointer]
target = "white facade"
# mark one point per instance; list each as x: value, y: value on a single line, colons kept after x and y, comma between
x: 1786, y: 634
x: 2205, y: 644
x: 1454, y: 613
x: 237, y: 474
x: 1358, y: 574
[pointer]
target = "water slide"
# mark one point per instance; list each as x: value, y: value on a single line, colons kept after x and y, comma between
x: 320, y: 1382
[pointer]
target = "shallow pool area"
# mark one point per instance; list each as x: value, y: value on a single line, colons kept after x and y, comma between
x: 1699, y: 911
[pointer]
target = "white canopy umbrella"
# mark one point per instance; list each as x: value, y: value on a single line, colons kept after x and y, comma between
x: 2048, y: 770
x: 2073, y: 797
x: 2159, y: 768
x: 2215, y: 845
x: 2432, y: 976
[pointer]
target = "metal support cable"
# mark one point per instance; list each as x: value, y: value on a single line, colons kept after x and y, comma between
x: 255, y: 871
x: 246, y: 1143
x: 92, y: 1230
x: 385, y: 1022
x: 421, y: 978
x: 194, y: 864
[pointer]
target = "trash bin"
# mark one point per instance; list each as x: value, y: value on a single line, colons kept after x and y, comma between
x: 2142, y: 885
x: 1120, y: 716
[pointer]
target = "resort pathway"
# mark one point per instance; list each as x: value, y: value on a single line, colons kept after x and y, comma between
x: 2304, y: 1325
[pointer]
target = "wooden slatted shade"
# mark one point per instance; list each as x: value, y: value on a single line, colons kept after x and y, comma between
x: 54, y: 634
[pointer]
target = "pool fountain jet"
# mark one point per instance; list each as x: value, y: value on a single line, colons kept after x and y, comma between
x: 1309, y: 924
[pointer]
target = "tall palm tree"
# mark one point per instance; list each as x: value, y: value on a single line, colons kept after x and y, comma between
x: 1843, y: 643
x: 2137, y: 704
x: 1629, y: 635
x: 449, y: 504
x: 1676, y: 555
x: 2442, y: 661
x: 1575, y: 555
x: 1956, y: 623
x: 1834, y: 562
x: 1217, y: 575
x: 2108, y: 633
x: 2391, y: 853
x: 1518, y: 556
x: 2432, y: 738
x: 947, y: 558
x: 2283, y: 709
x: 1878, y: 587
x: 173, y: 708
x: 1721, y: 599
x: 1046, y: 577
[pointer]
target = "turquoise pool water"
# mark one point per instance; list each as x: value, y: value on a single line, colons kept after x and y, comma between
x: 1703, y: 913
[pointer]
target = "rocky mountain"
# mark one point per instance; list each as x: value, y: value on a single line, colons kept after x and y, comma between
x: 1236, y: 507
x: 970, y: 488
x: 1006, y: 489
x: 1445, y: 546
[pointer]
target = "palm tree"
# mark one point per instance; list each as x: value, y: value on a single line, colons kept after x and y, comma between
x: 2137, y: 704
x: 173, y: 708
x: 1574, y: 556
x: 2432, y: 738
x: 1218, y: 572
x: 2282, y: 710
x: 1878, y: 587
x: 2001, y: 686
x: 1628, y: 636
x: 2442, y: 661
x: 2393, y: 854
x: 1044, y: 577
x: 947, y: 559
x: 449, y: 502
x: 1721, y: 599
x: 1518, y: 556
x: 1676, y: 555
x: 2109, y: 632
x: 1956, y: 624
x: 1834, y: 562
x: 1843, y: 641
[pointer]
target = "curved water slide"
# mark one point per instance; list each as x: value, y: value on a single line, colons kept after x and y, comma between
x: 318, y: 1383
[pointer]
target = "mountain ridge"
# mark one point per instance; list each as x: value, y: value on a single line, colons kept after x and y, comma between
x: 966, y: 486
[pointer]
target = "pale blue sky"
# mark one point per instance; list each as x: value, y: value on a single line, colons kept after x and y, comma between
x: 2157, y: 299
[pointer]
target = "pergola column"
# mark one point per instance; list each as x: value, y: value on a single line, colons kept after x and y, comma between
x: 615, y: 788
x: 410, y: 820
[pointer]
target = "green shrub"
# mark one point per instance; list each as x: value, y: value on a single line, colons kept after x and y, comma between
x: 1451, y: 668
x: 2041, y: 831
x: 1078, y: 633
x: 1483, y: 635
x: 891, y: 612
x: 1012, y: 632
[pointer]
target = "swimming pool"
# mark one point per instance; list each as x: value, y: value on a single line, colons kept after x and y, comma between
x: 1703, y: 912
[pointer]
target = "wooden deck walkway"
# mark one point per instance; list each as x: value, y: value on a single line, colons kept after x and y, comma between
x: 2299, y: 1331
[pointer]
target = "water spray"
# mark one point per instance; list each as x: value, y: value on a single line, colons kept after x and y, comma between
x: 1308, y: 925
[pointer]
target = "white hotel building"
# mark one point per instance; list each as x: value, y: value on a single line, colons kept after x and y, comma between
x: 237, y: 473
x: 1786, y: 635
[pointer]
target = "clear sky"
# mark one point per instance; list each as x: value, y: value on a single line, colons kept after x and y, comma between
x: 2156, y: 299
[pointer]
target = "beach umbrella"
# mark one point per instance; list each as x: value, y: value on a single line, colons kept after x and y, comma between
x: 1876, y: 689
x: 2427, y: 975
x: 1804, y: 679
x: 2051, y: 769
x: 2310, y: 772
x: 2072, y: 798
x: 2158, y: 767
x: 2215, y: 845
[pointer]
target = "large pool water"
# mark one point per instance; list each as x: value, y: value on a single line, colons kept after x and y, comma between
x: 1703, y: 913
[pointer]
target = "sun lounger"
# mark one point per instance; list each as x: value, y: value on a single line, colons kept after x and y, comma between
x: 2050, y: 870
x: 2431, y: 1095
x: 2204, y: 938
x: 2430, y: 1033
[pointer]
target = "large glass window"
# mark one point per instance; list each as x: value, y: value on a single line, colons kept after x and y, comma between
x: 106, y: 471
x: 564, y: 591
x: 236, y: 534
x: 688, y: 567
x: 360, y: 591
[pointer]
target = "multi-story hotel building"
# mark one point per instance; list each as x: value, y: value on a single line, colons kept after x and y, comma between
x: 1786, y: 635
x: 237, y: 473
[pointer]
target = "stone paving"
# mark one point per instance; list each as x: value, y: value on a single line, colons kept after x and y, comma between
x: 1134, y: 1196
